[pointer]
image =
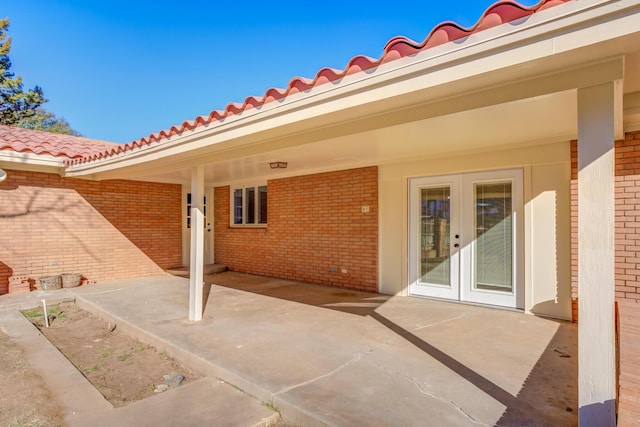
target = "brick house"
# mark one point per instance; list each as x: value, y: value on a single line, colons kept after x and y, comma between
x: 494, y: 165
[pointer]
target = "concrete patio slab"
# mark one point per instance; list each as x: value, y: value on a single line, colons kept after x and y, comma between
x: 205, y: 402
x: 33, y: 299
x: 326, y: 356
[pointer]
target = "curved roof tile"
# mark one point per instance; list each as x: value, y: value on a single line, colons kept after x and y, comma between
x: 45, y: 143
x: 396, y: 48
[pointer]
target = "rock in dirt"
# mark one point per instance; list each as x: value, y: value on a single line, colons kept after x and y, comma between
x: 173, y: 381
x: 160, y: 388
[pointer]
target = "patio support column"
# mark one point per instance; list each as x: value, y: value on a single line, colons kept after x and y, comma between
x: 197, y: 244
x: 596, y: 346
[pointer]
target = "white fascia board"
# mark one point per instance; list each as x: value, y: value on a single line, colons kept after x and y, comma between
x: 563, y: 28
x: 30, y: 161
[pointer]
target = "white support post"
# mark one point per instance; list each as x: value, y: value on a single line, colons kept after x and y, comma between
x: 197, y: 244
x: 596, y: 291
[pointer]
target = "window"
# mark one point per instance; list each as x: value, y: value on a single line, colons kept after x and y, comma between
x: 249, y: 205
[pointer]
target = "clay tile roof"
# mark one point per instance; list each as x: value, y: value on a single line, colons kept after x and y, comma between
x: 398, y: 47
x: 37, y: 142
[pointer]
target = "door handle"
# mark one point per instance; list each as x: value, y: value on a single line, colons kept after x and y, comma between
x: 457, y: 245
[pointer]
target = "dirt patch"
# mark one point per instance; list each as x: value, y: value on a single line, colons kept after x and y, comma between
x: 24, y: 400
x: 123, y: 369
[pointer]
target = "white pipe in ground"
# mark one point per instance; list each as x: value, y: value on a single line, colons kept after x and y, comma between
x: 46, y: 316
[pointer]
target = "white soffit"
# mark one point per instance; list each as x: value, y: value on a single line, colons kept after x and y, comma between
x: 498, y: 127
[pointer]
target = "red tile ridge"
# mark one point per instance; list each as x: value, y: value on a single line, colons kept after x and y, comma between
x: 396, y: 48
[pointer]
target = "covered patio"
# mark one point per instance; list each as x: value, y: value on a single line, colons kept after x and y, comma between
x: 326, y: 356
x: 499, y: 103
x: 541, y: 101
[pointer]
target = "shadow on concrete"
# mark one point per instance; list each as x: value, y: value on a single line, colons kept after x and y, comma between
x: 537, y: 403
x: 534, y: 405
x: 344, y: 300
x: 599, y: 414
x: 206, y: 290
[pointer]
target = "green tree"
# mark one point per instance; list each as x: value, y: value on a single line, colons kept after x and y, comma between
x: 48, y: 122
x: 15, y: 103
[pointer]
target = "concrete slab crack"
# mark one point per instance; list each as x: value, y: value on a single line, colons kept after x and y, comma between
x: 108, y: 291
x: 357, y: 357
x: 430, y: 325
x: 422, y: 390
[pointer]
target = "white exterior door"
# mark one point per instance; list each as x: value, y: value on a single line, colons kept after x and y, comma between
x: 435, y: 250
x: 208, y: 226
x: 466, y: 237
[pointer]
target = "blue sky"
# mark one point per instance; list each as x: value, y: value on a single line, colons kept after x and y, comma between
x: 120, y: 70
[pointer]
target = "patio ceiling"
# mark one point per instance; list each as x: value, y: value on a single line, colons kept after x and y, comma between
x: 466, y: 132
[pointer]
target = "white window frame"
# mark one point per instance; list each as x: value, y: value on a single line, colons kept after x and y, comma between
x: 256, y: 205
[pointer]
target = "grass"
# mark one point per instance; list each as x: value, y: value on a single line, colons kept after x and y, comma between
x: 107, y: 352
x: 138, y: 347
x: 37, y: 312
x: 124, y: 357
x: 29, y: 314
x: 270, y: 405
x: 91, y: 369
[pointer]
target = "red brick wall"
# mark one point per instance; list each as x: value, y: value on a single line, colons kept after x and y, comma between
x: 628, y: 217
x: 315, y: 224
x: 103, y: 230
x: 627, y: 220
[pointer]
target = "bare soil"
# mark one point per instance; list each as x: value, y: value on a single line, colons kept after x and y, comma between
x: 123, y: 369
x: 24, y: 400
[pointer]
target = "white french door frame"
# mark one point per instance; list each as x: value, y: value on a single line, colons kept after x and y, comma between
x: 462, y: 238
x: 515, y: 298
x: 416, y: 286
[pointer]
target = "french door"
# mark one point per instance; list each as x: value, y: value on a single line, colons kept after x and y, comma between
x: 465, y: 237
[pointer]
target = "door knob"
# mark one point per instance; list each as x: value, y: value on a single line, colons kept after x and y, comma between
x: 456, y: 245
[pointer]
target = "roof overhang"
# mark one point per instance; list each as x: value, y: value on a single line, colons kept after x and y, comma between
x: 32, y: 162
x: 577, y: 44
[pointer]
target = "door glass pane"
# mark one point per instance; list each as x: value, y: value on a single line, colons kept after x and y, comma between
x: 493, y: 251
x: 435, y: 218
x: 250, y: 197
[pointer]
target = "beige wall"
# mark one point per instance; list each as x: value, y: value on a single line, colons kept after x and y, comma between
x: 547, y: 219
